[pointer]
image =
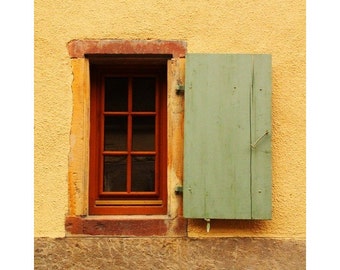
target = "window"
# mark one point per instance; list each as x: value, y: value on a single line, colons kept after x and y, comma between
x: 128, y: 135
x: 95, y: 63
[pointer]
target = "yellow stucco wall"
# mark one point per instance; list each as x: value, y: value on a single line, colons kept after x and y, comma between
x: 274, y: 27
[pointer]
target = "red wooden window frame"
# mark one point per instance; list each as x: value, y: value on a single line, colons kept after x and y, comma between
x: 106, y: 203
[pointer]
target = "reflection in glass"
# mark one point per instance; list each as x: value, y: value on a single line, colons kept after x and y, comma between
x: 116, y: 94
x: 115, y: 173
x: 115, y: 133
x: 143, y: 173
x: 143, y: 97
x: 143, y: 133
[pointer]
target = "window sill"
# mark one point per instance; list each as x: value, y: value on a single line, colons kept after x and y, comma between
x: 128, y: 226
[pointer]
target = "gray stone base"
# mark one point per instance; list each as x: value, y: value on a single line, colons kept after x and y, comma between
x: 169, y: 253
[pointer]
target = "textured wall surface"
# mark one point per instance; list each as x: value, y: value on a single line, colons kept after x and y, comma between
x: 274, y: 27
x: 169, y: 253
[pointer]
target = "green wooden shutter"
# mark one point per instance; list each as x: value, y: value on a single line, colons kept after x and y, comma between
x: 227, y: 136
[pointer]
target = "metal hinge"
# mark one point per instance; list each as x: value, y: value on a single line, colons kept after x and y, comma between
x: 178, y: 190
x: 180, y: 89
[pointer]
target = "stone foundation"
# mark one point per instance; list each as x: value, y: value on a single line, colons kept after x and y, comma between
x: 169, y: 253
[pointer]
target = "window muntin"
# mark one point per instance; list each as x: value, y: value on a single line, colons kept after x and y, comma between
x: 131, y: 133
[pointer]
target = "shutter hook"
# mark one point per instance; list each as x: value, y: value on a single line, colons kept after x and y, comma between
x: 253, y: 146
x: 208, y: 224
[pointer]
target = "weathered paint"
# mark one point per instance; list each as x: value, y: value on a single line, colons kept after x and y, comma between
x: 217, y: 136
x: 227, y: 115
x: 261, y: 133
x: 273, y: 27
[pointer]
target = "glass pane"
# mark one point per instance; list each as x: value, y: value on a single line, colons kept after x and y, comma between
x: 143, y: 173
x: 115, y: 173
x: 143, y: 133
x: 116, y: 94
x: 115, y: 137
x: 143, y: 97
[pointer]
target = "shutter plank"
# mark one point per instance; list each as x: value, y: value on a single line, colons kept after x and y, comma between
x: 261, y: 178
x: 217, y: 136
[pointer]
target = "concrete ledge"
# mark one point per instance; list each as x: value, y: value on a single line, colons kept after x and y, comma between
x: 169, y: 253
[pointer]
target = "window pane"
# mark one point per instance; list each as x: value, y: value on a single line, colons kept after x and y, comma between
x: 143, y: 133
x: 115, y: 133
x: 115, y: 173
x: 116, y: 94
x: 143, y: 173
x: 143, y: 94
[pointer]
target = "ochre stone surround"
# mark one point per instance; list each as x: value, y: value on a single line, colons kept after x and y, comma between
x: 169, y: 253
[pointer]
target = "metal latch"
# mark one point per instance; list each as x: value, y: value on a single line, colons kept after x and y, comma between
x: 253, y: 146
